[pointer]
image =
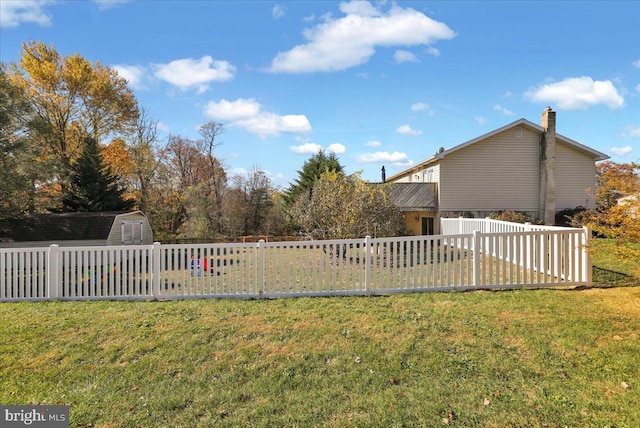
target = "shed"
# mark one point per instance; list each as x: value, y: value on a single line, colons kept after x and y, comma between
x: 76, y: 229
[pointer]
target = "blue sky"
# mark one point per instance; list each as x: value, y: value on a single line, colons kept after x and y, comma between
x: 378, y: 83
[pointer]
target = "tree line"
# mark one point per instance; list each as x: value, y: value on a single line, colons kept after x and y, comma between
x: 73, y: 137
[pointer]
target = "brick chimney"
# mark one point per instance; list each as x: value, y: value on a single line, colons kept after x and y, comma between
x: 548, y: 167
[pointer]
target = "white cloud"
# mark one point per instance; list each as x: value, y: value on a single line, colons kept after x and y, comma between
x: 419, y: 106
x: 638, y: 87
x: 134, y: 74
x: 406, y: 130
x: 636, y: 63
x: 433, y: 51
x: 373, y: 144
x: 240, y: 171
x: 309, y: 18
x: 621, y: 151
x: 361, y: 8
x: 394, y: 158
x: 631, y: 132
x: 577, y: 93
x: 233, y: 110
x: 404, y: 56
x: 278, y: 11
x: 248, y: 114
x: 503, y: 110
x: 422, y: 107
x: 16, y: 12
x: 313, y: 148
x: 108, y: 4
x: 336, y: 148
x: 338, y: 44
x: 508, y: 94
x: 480, y: 120
x: 306, y: 149
x: 190, y: 73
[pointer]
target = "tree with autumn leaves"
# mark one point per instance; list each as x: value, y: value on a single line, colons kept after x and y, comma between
x: 339, y: 206
x: 67, y: 99
x: 618, y: 201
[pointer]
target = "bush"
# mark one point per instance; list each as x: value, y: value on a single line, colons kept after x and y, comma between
x: 511, y: 216
x: 576, y: 217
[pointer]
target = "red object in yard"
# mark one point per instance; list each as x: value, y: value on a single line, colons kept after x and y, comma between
x: 199, y: 263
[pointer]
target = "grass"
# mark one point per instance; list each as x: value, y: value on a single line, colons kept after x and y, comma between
x: 552, y: 357
x: 491, y: 359
x: 609, y: 268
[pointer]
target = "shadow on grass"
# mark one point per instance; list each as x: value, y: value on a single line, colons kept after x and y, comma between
x: 610, y: 278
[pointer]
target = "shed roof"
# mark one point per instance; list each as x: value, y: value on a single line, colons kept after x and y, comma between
x: 414, y: 196
x: 83, y: 226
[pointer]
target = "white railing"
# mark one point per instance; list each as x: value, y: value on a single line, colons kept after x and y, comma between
x: 452, y: 226
x: 302, y: 268
x: 549, y: 254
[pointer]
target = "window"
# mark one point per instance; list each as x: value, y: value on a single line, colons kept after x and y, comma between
x: 428, y: 176
x: 427, y: 225
x: 518, y: 132
x: 132, y: 232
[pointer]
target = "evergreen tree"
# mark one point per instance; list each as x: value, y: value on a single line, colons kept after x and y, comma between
x: 312, y: 169
x: 94, y: 188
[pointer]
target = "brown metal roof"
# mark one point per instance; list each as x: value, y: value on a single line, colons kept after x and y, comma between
x: 414, y: 196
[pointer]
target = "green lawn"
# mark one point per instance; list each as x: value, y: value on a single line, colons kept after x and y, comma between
x: 609, y: 268
x: 506, y: 358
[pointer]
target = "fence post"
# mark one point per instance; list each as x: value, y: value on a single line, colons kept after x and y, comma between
x: 260, y: 275
x: 53, y: 272
x: 476, y: 257
x: 155, y: 274
x: 587, y: 261
x: 367, y: 263
x: 460, y: 225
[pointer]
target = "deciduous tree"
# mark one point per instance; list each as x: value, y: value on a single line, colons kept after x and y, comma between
x: 342, y: 207
x: 71, y: 98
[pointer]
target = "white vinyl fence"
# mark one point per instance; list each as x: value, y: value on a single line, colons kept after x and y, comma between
x: 369, y: 266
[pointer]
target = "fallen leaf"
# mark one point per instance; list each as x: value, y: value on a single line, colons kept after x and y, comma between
x: 616, y: 337
x: 357, y: 360
x: 486, y: 401
x: 625, y: 385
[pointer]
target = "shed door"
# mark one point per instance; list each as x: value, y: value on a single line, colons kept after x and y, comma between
x: 132, y: 232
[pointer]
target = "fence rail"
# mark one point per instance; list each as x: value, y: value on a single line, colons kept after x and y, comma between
x: 455, y: 261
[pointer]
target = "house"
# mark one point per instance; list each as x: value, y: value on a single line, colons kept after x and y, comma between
x: 76, y: 229
x: 520, y: 167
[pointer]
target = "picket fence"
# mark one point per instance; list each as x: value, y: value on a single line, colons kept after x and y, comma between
x: 471, y: 255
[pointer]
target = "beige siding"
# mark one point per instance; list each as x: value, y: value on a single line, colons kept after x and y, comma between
x: 413, y: 221
x: 421, y: 175
x: 575, y: 178
x: 498, y: 173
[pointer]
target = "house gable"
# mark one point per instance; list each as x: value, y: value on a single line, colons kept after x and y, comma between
x: 499, y: 174
x: 520, y: 166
